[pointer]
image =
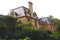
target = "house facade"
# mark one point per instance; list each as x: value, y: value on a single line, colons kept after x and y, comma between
x: 24, y: 15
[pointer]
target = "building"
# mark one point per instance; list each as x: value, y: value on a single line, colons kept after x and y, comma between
x: 47, y: 23
x: 24, y: 15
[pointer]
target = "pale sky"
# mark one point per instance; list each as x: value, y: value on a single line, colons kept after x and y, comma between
x: 43, y: 8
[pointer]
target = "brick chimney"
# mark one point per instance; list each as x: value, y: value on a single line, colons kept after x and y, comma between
x: 31, y: 8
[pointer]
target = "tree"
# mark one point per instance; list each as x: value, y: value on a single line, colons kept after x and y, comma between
x: 51, y: 17
x: 57, y: 24
x: 8, y: 23
x: 11, y: 29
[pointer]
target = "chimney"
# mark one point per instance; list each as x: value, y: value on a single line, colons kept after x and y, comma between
x: 31, y: 8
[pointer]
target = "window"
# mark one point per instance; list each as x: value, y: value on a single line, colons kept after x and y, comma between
x: 16, y: 14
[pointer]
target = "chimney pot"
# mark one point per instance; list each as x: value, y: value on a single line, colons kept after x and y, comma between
x: 30, y: 2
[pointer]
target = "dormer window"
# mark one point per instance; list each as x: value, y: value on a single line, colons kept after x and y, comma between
x: 16, y: 14
x: 11, y: 14
x: 28, y: 13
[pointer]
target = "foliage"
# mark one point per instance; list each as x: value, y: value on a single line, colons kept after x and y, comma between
x: 11, y: 29
x: 57, y: 24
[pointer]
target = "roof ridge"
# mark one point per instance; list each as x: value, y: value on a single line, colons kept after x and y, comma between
x: 19, y: 7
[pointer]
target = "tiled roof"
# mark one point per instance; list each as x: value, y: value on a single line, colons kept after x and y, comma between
x: 45, y: 20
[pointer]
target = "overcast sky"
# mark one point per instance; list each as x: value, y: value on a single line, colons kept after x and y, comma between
x: 43, y: 8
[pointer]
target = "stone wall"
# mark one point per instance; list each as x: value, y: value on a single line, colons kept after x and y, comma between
x: 28, y: 19
x: 49, y: 27
x: 22, y: 19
